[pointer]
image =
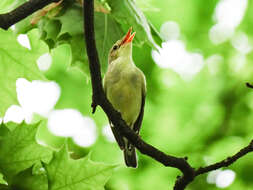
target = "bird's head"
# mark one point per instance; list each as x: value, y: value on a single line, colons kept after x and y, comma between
x: 122, y: 47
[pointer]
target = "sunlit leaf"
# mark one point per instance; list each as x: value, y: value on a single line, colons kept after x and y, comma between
x: 26, y: 180
x: 7, y: 5
x: 73, y: 14
x: 19, y: 150
x: 128, y: 14
x: 67, y: 174
x: 17, y: 61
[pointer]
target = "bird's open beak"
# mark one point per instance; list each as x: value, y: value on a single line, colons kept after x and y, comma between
x: 129, y: 37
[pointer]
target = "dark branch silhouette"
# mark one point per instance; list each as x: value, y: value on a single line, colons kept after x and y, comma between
x: 249, y: 85
x: 99, y: 98
x: 21, y: 12
x: 228, y: 161
x: 182, y: 182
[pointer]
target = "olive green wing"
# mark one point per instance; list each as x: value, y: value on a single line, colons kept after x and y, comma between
x: 118, y: 137
x: 138, y: 122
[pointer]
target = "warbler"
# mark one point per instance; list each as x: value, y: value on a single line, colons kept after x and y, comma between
x: 125, y: 87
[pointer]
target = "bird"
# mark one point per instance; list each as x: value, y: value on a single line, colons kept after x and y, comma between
x: 125, y: 87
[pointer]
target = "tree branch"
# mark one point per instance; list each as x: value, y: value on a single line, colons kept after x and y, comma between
x: 100, y: 99
x: 228, y: 161
x: 249, y: 85
x: 21, y: 12
x: 182, y: 182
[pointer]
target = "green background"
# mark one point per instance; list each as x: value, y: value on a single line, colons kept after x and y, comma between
x: 206, y: 119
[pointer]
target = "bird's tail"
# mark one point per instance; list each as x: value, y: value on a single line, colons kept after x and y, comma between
x: 130, y: 155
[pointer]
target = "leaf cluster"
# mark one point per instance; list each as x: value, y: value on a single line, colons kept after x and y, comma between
x: 25, y: 164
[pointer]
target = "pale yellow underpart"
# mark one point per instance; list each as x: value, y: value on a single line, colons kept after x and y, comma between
x: 124, y: 85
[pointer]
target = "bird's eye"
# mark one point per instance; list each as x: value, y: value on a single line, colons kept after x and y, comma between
x: 115, y: 47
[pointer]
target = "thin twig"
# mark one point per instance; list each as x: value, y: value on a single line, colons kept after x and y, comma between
x: 21, y: 12
x: 182, y: 182
x: 228, y: 161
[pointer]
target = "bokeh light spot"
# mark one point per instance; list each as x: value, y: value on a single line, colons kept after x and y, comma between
x: 170, y: 31
x: 71, y: 123
x: 211, y: 177
x: 241, y: 43
x: 173, y: 55
x: 107, y: 132
x: 44, y: 62
x: 24, y: 41
x: 15, y: 114
x: 228, y: 15
x: 225, y: 178
x: 37, y: 96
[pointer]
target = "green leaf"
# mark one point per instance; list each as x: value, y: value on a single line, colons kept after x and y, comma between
x: 3, y: 130
x: 61, y: 59
x: 107, y: 32
x: 79, y: 56
x: 72, y: 21
x: 2, y: 181
x: 16, y: 62
x: 4, y: 187
x: 26, y: 180
x: 128, y: 14
x: 24, y: 26
x: 67, y: 174
x: 52, y: 28
x: 38, y: 47
x: 156, y: 34
x: 8, y: 5
x: 105, y: 25
x: 19, y: 150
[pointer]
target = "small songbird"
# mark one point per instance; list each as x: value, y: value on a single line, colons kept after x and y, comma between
x: 125, y: 88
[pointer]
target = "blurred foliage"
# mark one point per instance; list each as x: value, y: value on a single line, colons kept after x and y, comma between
x: 76, y: 174
x: 21, y: 140
x: 17, y: 62
x: 207, y: 118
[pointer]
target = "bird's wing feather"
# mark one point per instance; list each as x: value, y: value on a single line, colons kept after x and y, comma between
x: 137, y: 124
x: 118, y: 137
x: 116, y: 133
x: 104, y: 84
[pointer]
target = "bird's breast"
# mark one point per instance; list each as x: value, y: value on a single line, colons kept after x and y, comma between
x: 124, y: 92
